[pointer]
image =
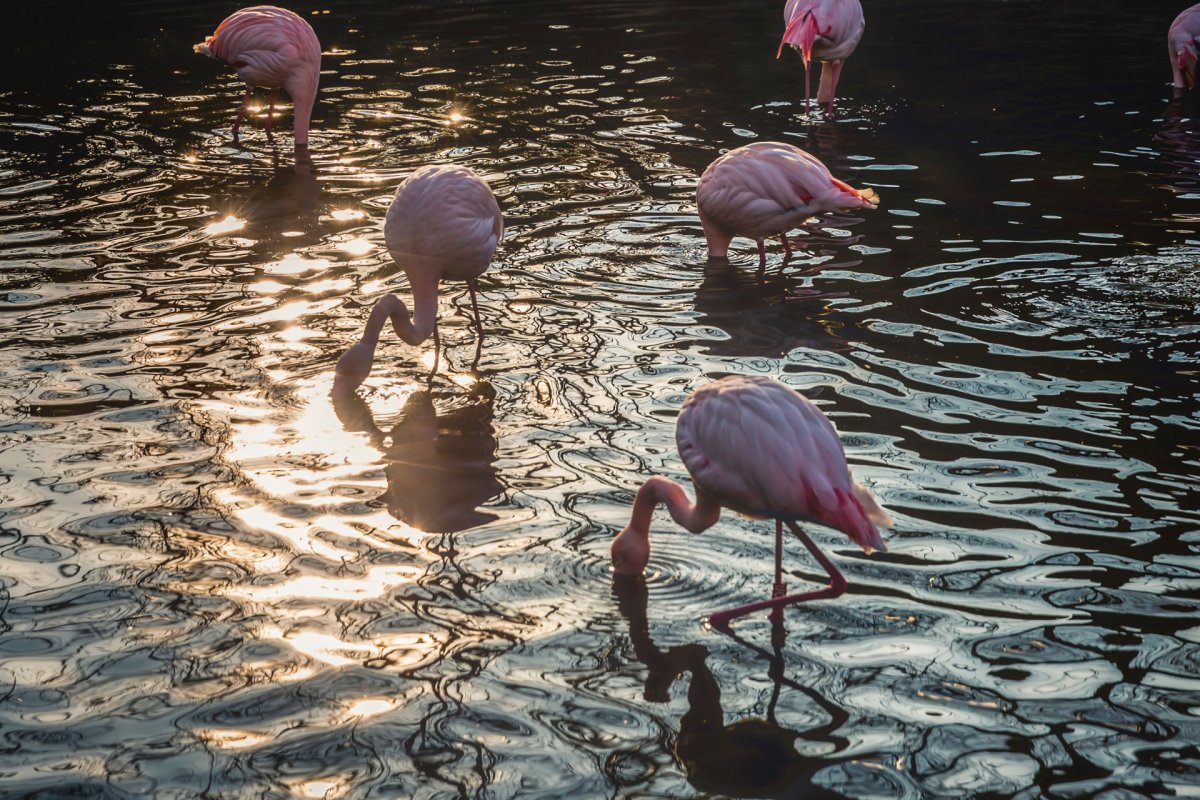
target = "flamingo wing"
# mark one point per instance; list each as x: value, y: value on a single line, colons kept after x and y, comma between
x: 768, y: 187
x: 763, y: 449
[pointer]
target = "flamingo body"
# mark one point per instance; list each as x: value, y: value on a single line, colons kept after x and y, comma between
x: 443, y: 223
x: 273, y: 48
x: 754, y: 445
x: 768, y: 188
x: 1181, y: 47
x: 760, y: 448
x: 825, y: 31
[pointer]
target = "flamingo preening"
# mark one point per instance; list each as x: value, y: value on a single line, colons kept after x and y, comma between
x: 444, y: 223
x: 273, y: 48
x: 768, y: 188
x: 1181, y: 47
x: 753, y: 445
x: 825, y: 31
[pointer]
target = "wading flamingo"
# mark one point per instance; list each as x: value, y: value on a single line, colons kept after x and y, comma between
x: 825, y: 31
x: 768, y: 188
x: 273, y: 48
x: 1181, y: 47
x: 753, y: 445
x: 444, y: 223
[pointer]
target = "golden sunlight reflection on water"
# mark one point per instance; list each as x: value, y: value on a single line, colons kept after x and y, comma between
x: 226, y: 225
x: 295, y: 264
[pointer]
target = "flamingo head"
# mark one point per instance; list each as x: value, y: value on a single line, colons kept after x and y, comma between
x: 631, y: 551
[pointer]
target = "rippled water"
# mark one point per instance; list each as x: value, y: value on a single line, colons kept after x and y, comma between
x: 217, y: 577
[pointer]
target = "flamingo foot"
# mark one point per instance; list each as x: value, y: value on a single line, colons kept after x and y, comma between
x: 721, y: 619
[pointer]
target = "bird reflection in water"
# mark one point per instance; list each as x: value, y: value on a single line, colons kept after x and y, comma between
x: 440, y: 466
x: 765, y: 315
x: 288, y: 204
x: 753, y: 757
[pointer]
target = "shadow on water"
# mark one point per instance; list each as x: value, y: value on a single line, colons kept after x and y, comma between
x: 768, y: 313
x: 440, y: 466
x: 752, y: 757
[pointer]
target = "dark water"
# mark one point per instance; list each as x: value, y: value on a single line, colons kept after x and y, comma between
x: 217, y: 579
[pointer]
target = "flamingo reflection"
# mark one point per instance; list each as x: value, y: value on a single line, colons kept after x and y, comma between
x: 289, y: 203
x: 752, y: 757
x: 440, y: 466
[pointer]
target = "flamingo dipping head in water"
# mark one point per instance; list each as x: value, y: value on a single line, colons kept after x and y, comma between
x: 753, y: 445
x: 443, y: 224
x: 768, y: 188
x: 825, y: 31
x: 275, y: 49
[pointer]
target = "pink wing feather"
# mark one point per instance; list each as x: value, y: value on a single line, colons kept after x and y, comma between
x: 763, y: 449
x: 765, y: 188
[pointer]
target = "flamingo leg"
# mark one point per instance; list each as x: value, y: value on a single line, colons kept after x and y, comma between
x: 271, y: 111
x: 787, y: 247
x: 762, y: 256
x: 471, y: 285
x: 830, y: 72
x: 836, y: 587
x: 437, y: 355
x: 780, y: 588
x: 241, y: 112
x: 807, y: 91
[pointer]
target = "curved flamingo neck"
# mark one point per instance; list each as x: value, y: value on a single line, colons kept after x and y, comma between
x: 424, y: 315
x: 631, y: 548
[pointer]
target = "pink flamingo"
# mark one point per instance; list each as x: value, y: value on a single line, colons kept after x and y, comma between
x: 754, y: 445
x: 1181, y: 47
x: 825, y: 30
x: 273, y: 48
x: 444, y: 223
x: 768, y: 188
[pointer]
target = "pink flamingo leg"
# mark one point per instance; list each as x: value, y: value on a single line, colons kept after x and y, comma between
x: 787, y: 247
x: 807, y: 91
x: 475, y: 309
x: 271, y: 111
x: 241, y: 112
x: 762, y: 255
x: 836, y: 587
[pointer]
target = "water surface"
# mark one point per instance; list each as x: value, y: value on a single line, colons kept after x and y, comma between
x: 219, y: 577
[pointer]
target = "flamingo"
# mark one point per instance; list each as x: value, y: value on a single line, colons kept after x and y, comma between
x: 273, y: 48
x: 443, y: 223
x: 1181, y: 47
x: 768, y: 188
x: 753, y: 445
x: 825, y: 30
